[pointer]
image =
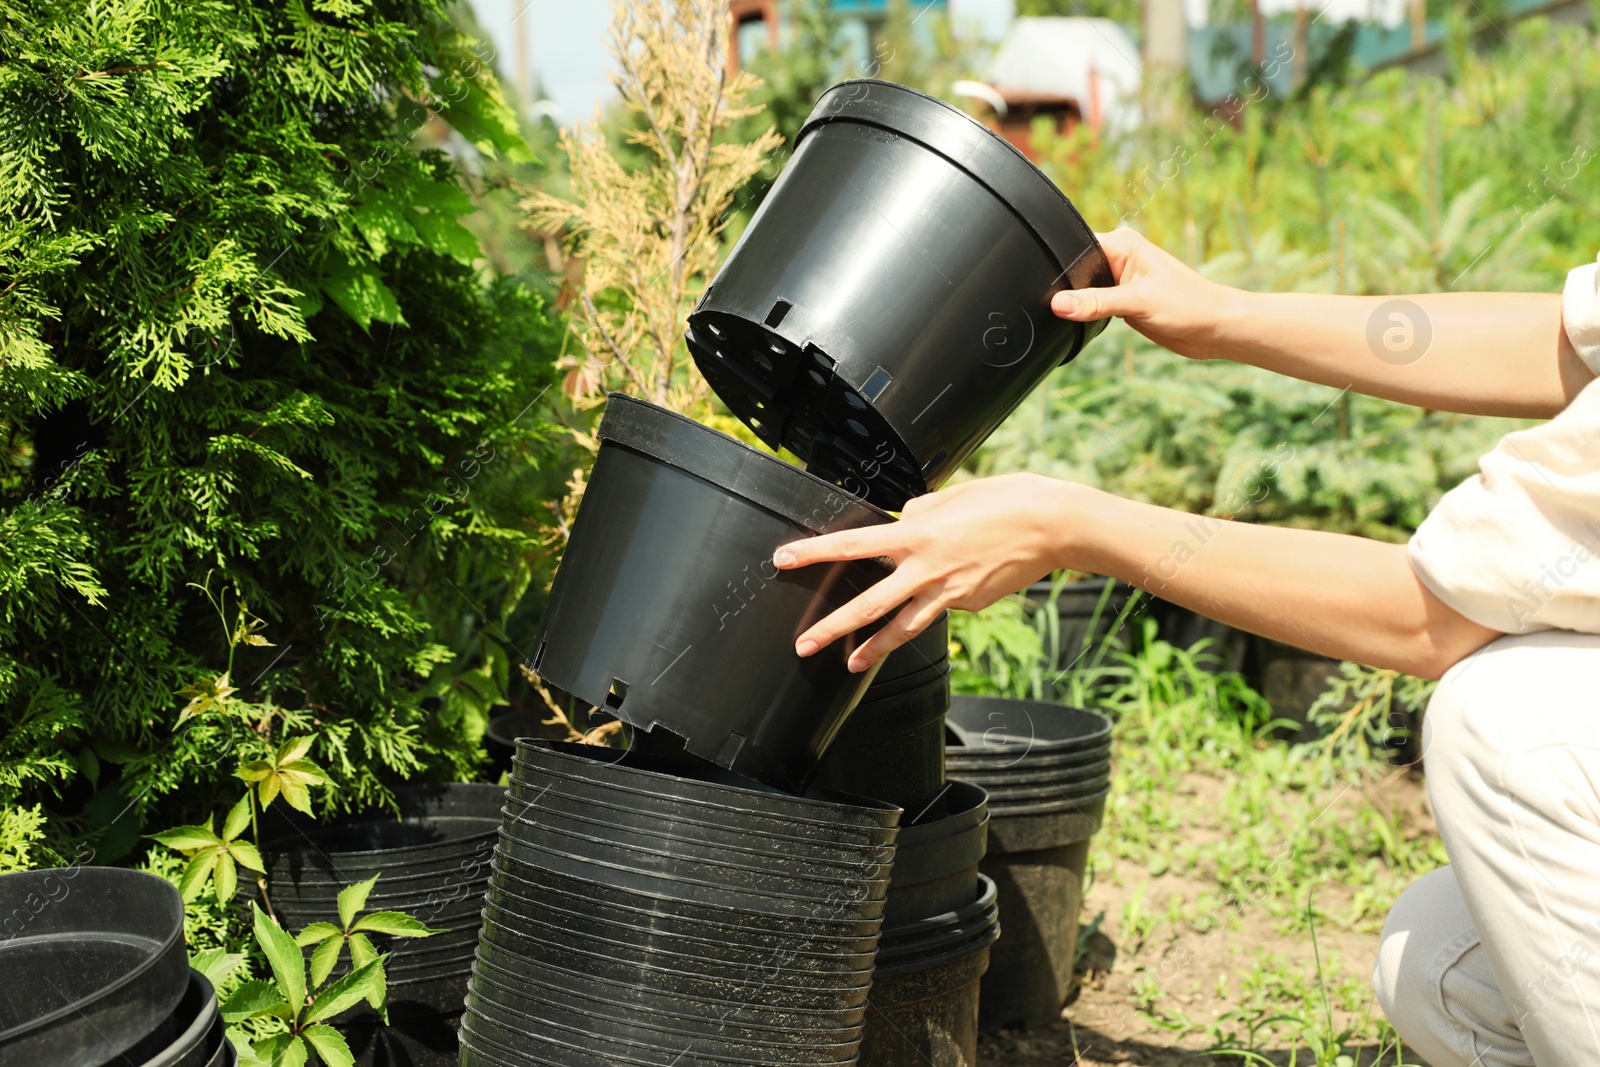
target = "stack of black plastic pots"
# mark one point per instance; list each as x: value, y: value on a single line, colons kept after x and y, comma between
x: 940, y: 917
x: 892, y: 746
x: 434, y: 865
x: 1047, y: 770
x: 884, y: 310
x: 658, y: 911
x: 94, y: 973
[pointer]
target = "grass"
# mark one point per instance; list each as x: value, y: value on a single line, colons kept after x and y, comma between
x: 1235, y: 872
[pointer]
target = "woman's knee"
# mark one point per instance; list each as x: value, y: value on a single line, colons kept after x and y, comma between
x: 1434, y: 983
x: 1425, y: 919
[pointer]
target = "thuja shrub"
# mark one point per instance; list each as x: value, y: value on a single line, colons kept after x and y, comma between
x: 263, y: 410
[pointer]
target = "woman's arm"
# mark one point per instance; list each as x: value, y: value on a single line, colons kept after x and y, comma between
x: 968, y: 546
x: 1475, y: 353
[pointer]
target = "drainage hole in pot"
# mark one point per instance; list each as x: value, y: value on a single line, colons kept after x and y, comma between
x: 761, y: 360
x: 820, y: 379
x: 780, y: 308
x: 777, y: 348
x: 618, y: 693
x: 714, y: 332
x: 856, y: 402
x: 855, y: 427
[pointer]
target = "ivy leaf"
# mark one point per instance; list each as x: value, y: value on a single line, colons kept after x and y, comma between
x: 238, y: 818
x: 330, y: 1046
x: 209, y: 854
x: 211, y: 694
x: 348, y: 991
x: 248, y: 1056
x: 316, y: 933
x: 323, y: 959
x: 286, y: 772
x: 245, y: 854
x: 361, y: 951
x: 189, y: 838
x: 352, y: 898
x: 218, y: 965
x: 253, y: 999
x: 283, y: 956
x: 227, y: 878
x: 195, y: 874
x: 283, y: 1050
x: 395, y: 924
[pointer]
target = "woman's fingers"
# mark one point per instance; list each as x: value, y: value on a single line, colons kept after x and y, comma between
x: 869, y: 606
x: 1088, y: 305
x: 865, y: 543
x: 918, y: 614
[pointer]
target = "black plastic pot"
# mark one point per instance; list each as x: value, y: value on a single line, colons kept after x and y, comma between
x: 1000, y: 733
x: 923, y: 656
x: 111, y: 943
x: 892, y: 747
x: 924, y: 1005
x: 661, y: 1011
x: 487, y: 1043
x: 703, y: 882
x: 187, y: 1038
x: 757, y: 877
x: 820, y: 822
x: 509, y: 1000
x: 889, y: 304
x: 936, y: 858
x: 1226, y: 647
x: 530, y: 890
x: 1037, y: 860
x: 575, y: 807
x: 419, y: 1033
x: 633, y: 996
x: 589, y: 936
x: 439, y: 826
x: 1079, y: 618
x: 500, y: 738
x: 668, y: 613
x: 739, y: 949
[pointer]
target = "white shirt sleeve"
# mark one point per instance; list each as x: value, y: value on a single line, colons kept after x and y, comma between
x: 1580, y: 313
x: 1516, y: 548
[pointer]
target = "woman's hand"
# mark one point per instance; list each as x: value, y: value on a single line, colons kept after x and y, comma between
x: 1156, y: 294
x: 964, y: 547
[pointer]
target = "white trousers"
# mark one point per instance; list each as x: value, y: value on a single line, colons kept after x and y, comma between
x: 1494, y: 961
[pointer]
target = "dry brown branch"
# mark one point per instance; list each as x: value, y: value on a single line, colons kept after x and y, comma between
x: 651, y: 237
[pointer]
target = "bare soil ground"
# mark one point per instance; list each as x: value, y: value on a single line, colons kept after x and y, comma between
x: 1162, y: 995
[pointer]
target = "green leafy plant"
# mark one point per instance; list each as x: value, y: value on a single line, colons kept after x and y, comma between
x: 328, y: 941
x: 299, y: 1012
x: 245, y: 334
x: 213, y: 857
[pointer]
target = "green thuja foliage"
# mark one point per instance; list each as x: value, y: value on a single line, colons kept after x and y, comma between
x: 249, y: 355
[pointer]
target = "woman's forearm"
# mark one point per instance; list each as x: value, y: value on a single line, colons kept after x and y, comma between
x: 1343, y: 597
x: 967, y: 546
x: 1474, y: 353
